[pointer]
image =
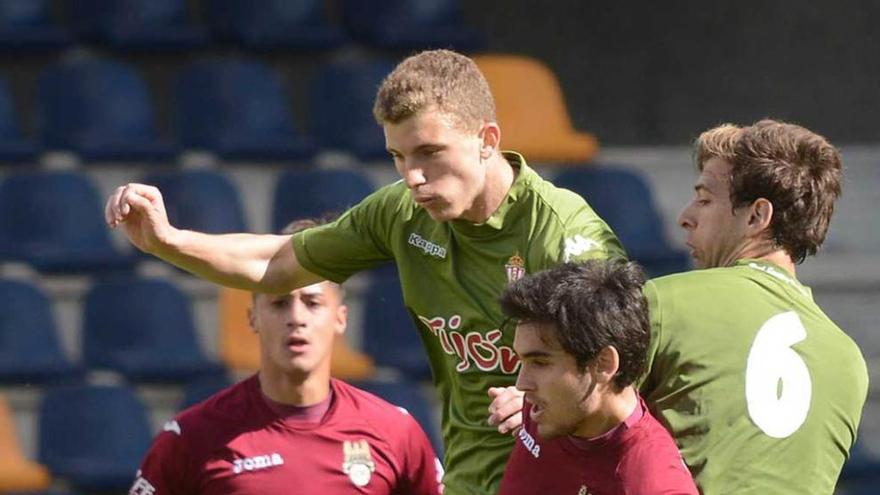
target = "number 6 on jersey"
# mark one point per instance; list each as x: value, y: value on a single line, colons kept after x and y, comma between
x: 778, y: 385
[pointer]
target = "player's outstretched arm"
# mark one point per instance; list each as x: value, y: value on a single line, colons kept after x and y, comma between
x: 263, y: 263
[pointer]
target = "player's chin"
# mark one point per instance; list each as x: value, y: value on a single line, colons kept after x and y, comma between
x: 548, y: 431
x: 441, y: 214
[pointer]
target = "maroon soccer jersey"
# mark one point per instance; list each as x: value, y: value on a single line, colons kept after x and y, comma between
x: 638, y: 457
x: 234, y: 443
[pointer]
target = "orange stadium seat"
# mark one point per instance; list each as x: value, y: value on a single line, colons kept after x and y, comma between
x: 240, y: 348
x: 17, y: 472
x: 532, y: 112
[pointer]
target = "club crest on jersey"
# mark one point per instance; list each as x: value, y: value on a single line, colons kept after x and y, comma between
x: 358, y: 463
x: 515, y: 268
x: 583, y: 490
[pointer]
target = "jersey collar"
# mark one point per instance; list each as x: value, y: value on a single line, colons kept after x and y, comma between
x: 776, y: 272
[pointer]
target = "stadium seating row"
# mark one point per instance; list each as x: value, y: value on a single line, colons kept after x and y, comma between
x: 238, y: 109
x: 158, y: 25
x: 53, y: 220
x: 143, y: 329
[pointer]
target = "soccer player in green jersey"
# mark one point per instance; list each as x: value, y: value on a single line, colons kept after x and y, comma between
x: 761, y: 390
x: 465, y: 220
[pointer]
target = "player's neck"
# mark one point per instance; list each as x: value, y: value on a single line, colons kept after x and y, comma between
x: 295, y: 389
x: 615, y: 409
x: 772, y: 255
x: 499, y: 179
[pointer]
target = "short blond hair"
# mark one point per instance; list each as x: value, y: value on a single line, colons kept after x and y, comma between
x: 718, y: 142
x: 438, y: 80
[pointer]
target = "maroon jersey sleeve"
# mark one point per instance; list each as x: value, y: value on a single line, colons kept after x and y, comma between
x: 166, y: 469
x: 422, y: 470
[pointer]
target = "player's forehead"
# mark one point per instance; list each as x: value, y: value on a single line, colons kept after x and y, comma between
x: 536, y: 338
x: 714, y: 177
x: 428, y: 126
x: 309, y: 291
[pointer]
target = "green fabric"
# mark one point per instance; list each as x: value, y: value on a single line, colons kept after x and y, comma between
x: 705, y: 342
x: 452, y: 276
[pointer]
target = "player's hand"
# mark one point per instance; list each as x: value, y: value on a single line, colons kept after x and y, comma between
x: 140, y: 209
x: 505, y: 411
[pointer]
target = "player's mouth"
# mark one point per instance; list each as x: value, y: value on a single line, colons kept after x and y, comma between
x: 425, y: 201
x: 297, y: 344
x: 535, y: 412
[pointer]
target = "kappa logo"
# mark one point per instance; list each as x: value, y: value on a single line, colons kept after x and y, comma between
x: 358, y: 464
x: 578, y: 245
x: 172, y: 426
x: 427, y: 246
x: 141, y: 486
x: 257, y: 462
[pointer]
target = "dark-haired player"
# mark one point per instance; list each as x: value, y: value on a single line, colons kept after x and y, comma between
x: 582, y: 337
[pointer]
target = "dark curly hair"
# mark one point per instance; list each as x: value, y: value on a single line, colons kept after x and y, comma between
x: 590, y: 305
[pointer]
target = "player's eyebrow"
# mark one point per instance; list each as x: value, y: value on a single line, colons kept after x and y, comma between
x: 534, y: 354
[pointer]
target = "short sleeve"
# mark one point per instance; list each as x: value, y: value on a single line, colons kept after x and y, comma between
x: 165, y: 468
x: 586, y: 236
x: 423, y: 471
x: 357, y: 240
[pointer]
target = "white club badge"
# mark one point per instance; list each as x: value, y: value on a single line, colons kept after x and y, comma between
x: 515, y: 268
x: 358, y: 463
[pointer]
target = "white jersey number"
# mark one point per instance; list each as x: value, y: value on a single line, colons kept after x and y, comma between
x: 778, y: 385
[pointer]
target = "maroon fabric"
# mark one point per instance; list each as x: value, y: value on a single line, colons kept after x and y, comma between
x: 300, y: 414
x: 637, y: 457
x: 234, y: 443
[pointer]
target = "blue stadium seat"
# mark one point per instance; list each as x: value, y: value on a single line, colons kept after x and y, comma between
x: 136, y: 24
x: 93, y: 436
x: 410, y: 24
x: 316, y: 193
x: 55, y: 222
x: 268, y: 24
x: 143, y: 329
x: 342, y: 96
x: 237, y: 109
x: 199, y: 389
x: 390, y: 336
x: 26, y: 25
x: 29, y: 348
x: 407, y: 395
x: 202, y: 200
x: 101, y: 110
x: 624, y: 200
x: 13, y: 147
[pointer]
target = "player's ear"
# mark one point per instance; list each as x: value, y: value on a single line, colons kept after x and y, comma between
x: 341, y: 319
x: 606, y: 363
x: 491, y: 137
x: 760, y: 215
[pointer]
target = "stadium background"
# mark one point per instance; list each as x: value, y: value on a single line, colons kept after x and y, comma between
x: 643, y: 78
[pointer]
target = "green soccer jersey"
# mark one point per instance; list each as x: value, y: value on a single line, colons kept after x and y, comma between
x: 452, y: 275
x: 761, y: 390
